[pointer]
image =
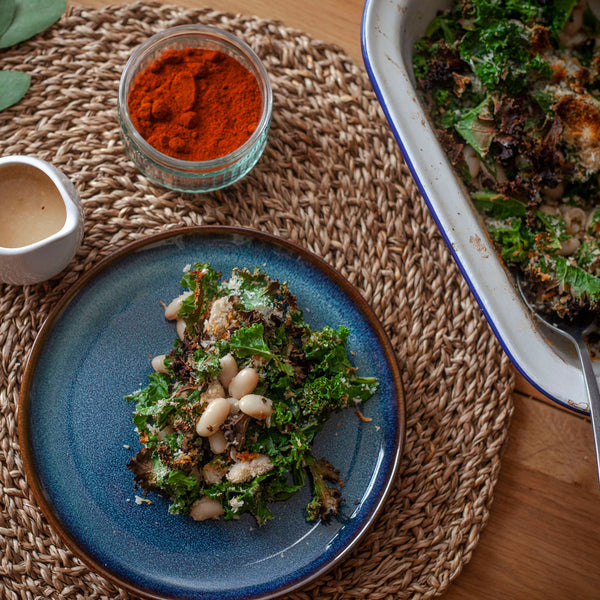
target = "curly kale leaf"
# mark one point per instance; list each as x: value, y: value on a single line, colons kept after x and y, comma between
x: 203, y: 281
x: 506, y: 224
x: 207, y: 365
x: 513, y: 239
x: 500, y: 54
x: 556, y: 228
x: 521, y: 10
x: 332, y: 383
x: 498, y: 206
x: 256, y: 289
x: 204, y: 275
x: 151, y: 473
x: 326, y: 349
x: 478, y: 132
x: 142, y: 466
x: 183, y: 488
x: 151, y: 402
x: 249, y: 341
x: 325, y: 394
x: 580, y: 281
x: 497, y: 39
x: 326, y: 499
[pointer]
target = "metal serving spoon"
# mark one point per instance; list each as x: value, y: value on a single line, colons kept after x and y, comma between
x: 576, y: 333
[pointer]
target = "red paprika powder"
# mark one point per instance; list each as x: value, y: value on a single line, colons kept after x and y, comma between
x: 195, y: 104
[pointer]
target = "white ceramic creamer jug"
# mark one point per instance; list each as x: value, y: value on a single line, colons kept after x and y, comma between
x: 42, y: 218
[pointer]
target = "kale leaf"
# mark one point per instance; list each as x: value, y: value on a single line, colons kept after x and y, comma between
x: 306, y: 374
x: 580, y: 281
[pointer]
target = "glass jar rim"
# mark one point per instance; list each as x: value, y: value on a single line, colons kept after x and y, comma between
x: 224, y: 37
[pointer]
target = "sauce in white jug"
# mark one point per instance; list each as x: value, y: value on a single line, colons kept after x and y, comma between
x: 32, y: 207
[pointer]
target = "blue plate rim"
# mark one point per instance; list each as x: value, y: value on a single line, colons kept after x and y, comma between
x: 45, y: 502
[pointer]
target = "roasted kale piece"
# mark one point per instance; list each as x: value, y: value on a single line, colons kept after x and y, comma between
x: 259, y: 450
x: 513, y: 90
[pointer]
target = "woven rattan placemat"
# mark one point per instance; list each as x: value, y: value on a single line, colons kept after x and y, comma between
x: 332, y: 180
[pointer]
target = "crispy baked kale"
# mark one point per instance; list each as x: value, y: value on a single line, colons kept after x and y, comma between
x: 259, y: 449
x: 513, y: 90
x: 326, y: 499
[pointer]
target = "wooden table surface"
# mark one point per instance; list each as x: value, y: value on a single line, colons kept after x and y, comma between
x: 542, y: 539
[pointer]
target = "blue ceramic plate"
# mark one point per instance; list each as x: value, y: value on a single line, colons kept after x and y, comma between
x: 77, y: 435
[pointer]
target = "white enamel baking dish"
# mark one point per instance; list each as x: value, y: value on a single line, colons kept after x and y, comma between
x: 389, y: 30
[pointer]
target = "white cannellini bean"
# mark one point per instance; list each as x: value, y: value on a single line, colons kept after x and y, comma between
x: 164, y: 432
x: 213, y: 417
x: 500, y: 174
x: 589, y: 221
x: 549, y: 209
x: 213, y: 473
x: 180, y: 327
x: 569, y: 246
x: 172, y: 310
x: 472, y: 160
x: 256, y: 406
x: 229, y: 369
x: 205, y: 508
x: 243, y: 383
x: 575, y: 22
x: 554, y: 194
x: 575, y: 219
x: 158, y: 364
x: 217, y: 442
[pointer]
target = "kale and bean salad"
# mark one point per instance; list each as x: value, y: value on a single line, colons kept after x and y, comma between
x: 229, y: 414
x: 513, y: 90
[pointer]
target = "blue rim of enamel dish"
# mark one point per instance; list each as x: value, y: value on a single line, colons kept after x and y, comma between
x: 430, y: 206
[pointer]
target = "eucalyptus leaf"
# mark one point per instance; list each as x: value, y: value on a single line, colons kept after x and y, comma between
x: 31, y: 17
x: 13, y: 86
x: 7, y: 12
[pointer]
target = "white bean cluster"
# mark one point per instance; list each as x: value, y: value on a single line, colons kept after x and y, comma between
x: 239, y: 385
x: 577, y: 221
x: 230, y: 394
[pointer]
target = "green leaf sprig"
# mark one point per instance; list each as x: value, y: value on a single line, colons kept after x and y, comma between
x: 19, y: 21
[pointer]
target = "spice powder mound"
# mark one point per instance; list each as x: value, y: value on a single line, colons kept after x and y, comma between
x: 195, y: 104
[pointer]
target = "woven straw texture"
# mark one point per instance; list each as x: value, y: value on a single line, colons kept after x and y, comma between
x: 332, y: 180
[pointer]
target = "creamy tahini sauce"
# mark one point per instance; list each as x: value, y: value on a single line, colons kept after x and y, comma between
x: 32, y: 207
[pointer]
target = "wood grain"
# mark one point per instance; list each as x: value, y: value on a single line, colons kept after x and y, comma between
x: 334, y: 21
x: 541, y: 540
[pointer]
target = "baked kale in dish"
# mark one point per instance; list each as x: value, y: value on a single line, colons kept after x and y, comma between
x: 229, y: 415
x: 513, y: 90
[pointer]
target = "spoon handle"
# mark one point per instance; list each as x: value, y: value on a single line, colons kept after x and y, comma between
x: 591, y: 384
